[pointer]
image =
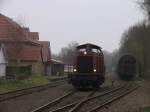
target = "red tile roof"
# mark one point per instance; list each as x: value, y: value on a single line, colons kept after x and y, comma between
x: 11, y: 31
x: 32, y: 51
x: 36, y: 53
x: 31, y: 54
x: 34, y: 35
x: 8, y: 28
x: 46, y: 53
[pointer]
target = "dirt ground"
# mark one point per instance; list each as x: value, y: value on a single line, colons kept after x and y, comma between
x: 134, y: 102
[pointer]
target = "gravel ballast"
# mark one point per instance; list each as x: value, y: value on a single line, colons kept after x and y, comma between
x: 133, y: 102
x: 30, y: 102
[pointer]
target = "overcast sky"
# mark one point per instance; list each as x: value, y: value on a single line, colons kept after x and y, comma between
x: 101, y: 22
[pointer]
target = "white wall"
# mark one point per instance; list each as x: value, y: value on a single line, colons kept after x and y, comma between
x: 2, y: 63
x: 2, y: 70
x: 2, y: 58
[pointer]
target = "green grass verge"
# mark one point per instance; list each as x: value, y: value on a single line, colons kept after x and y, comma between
x: 147, y: 109
x: 21, y: 84
x: 57, y: 77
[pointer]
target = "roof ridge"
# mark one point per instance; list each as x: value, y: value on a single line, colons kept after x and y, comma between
x: 11, y: 21
x: 14, y: 24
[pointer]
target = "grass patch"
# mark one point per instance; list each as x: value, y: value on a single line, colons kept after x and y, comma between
x: 21, y: 84
x: 54, y: 78
x: 147, y: 109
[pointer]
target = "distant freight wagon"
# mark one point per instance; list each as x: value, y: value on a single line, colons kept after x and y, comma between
x: 127, y: 67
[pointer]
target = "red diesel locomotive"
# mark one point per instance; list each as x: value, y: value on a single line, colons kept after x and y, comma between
x: 89, y: 67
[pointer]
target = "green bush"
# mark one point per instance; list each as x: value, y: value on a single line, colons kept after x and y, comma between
x: 18, y: 73
x: 147, y: 109
x: 23, y: 75
x: 12, y: 85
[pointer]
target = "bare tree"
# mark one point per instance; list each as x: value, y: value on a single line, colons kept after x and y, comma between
x: 17, y: 37
x: 145, y: 6
x: 21, y: 20
x: 15, y: 44
x: 68, y: 53
x: 14, y: 48
x: 136, y: 41
x: 111, y: 60
x: 55, y: 56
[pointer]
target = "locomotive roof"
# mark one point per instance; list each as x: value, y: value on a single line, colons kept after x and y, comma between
x: 88, y: 44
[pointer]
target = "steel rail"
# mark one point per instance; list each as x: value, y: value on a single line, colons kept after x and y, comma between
x: 26, y: 91
x: 113, y: 99
x: 75, y: 109
x: 72, y: 104
x: 76, y: 105
x: 43, y: 107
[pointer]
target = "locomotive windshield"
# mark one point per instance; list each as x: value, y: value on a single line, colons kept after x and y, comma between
x: 85, y: 64
x: 87, y: 58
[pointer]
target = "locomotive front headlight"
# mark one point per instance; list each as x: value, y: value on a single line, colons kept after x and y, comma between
x: 85, y: 52
x: 74, y: 70
x: 94, y: 70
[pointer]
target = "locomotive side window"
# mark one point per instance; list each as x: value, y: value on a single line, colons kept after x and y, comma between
x: 82, y: 50
x: 95, y: 50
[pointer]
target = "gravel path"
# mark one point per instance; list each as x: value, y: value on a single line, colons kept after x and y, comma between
x: 29, y: 102
x: 133, y: 102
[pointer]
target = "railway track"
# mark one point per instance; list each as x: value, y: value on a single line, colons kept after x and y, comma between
x: 114, y: 98
x: 89, y: 102
x: 74, y: 107
x: 26, y: 91
x: 94, y: 103
x: 73, y: 96
x: 46, y: 106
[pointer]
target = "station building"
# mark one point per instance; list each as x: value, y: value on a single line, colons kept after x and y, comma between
x: 20, y: 47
